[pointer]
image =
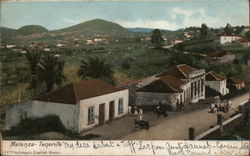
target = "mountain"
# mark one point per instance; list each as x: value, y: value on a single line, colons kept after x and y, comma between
x: 31, y: 29
x: 141, y: 30
x: 96, y: 26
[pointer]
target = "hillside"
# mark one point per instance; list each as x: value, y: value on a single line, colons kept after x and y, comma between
x: 96, y: 26
x: 31, y: 29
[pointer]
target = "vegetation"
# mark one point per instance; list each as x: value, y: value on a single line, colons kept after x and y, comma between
x: 33, y: 57
x: 96, y: 68
x: 50, y: 70
x: 203, y: 31
x: 156, y: 38
x: 36, y: 125
x: 228, y: 29
x: 31, y: 29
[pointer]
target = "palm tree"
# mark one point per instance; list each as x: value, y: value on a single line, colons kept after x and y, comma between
x: 33, y: 56
x: 97, y: 69
x: 50, y: 70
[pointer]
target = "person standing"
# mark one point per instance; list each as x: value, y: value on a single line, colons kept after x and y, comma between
x: 129, y: 110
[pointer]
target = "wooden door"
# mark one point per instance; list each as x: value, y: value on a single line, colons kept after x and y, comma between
x: 101, y: 114
x: 111, y: 110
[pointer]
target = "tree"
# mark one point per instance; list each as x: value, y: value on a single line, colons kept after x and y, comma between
x: 96, y: 68
x: 33, y: 56
x: 248, y: 35
x: 181, y: 58
x: 228, y: 29
x: 50, y: 70
x: 203, y: 31
x: 156, y: 38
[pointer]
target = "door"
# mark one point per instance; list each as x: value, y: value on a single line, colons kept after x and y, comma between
x: 111, y: 110
x: 101, y: 114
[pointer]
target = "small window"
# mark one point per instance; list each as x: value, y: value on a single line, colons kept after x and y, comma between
x: 120, y: 106
x: 91, y: 118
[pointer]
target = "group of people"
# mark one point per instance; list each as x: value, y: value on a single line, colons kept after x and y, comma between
x: 136, y: 111
x: 224, y: 106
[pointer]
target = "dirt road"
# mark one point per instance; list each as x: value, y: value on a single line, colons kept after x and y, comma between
x: 175, y: 127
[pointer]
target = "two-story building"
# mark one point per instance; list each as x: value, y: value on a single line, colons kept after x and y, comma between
x: 225, y: 38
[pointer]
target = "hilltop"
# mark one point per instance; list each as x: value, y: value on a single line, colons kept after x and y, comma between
x: 31, y: 29
x: 96, y: 26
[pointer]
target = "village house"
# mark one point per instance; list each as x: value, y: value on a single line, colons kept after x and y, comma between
x: 219, y: 57
x: 216, y: 82
x: 80, y: 106
x: 10, y: 46
x: 179, y: 84
x: 224, y: 38
x: 243, y: 42
x: 177, y: 40
x: 235, y: 83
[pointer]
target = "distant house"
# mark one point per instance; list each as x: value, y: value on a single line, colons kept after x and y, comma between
x: 219, y: 57
x: 243, y: 42
x: 10, y: 46
x: 233, y: 82
x: 89, y: 42
x: 224, y: 38
x: 181, y: 83
x: 216, y: 82
x: 80, y: 105
x: 177, y: 40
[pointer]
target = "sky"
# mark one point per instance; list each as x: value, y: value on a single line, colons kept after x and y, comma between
x: 169, y: 15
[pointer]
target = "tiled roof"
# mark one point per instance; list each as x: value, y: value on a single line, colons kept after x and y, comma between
x: 130, y: 82
x: 74, y: 92
x: 227, y: 35
x: 212, y: 76
x: 209, y: 59
x: 166, y: 84
x: 219, y: 54
x: 234, y: 80
x: 179, y: 71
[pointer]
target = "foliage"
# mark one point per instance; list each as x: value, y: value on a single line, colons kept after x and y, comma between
x: 95, y: 68
x: 156, y: 38
x: 36, y: 125
x: 121, y: 78
x: 203, y: 31
x: 228, y: 29
x: 50, y: 70
x: 248, y: 36
x: 33, y: 57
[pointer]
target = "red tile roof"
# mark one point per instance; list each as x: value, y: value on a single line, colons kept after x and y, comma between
x: 179, y: 71
x: 130, y: 82
x: 74, y: 92
x: 212, y: 76
x: 166, y: 84
x: 234, y: 80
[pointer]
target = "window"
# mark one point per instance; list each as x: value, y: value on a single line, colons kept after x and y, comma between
x: 120, y: 106
x: 91, y: 118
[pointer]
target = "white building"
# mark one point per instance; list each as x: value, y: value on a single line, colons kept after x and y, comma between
x: 223, y: 39
x: 216, y: 82
x: 80, y: 105
x: 177, y: 40
x: 181, y: 83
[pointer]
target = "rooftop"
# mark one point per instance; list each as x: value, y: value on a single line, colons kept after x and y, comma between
x: 212, y: 76
x: 165, y: 84
x: 73, y: 92
x: 234, y: 80
x: 180, y: 71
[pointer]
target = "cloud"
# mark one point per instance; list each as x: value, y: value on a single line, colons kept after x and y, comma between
x: 70, y: 21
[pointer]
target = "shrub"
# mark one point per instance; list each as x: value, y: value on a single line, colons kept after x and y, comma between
x: 37, y: 125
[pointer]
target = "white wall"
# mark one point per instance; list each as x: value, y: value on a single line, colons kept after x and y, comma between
x: 219, y: 86
x: 225, y: 39
x: 66, y: 112
x: 96, y: 101
x: 14, y: 113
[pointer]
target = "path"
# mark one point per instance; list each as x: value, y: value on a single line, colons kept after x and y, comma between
x: 175, y: 127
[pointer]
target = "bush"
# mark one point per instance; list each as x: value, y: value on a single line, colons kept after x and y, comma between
x: 37, y: 125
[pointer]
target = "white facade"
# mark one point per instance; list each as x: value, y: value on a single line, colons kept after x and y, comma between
x: 219, y: 86
x: 95, y: 102
x: 227, y: 39
x: 73, y: 116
